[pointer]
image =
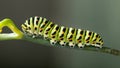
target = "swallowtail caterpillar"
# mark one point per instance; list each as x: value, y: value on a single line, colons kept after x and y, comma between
x: 41, y: 27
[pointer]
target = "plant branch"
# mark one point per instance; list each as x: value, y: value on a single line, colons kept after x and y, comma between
x: 106, y: 50
x: 17, y: 34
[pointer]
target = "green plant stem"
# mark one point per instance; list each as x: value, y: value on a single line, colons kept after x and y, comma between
x: 106, y: 50
x: 18, y: 35
x: 9, y: 36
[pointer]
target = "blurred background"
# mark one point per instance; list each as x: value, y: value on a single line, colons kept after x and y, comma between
x: 101, y: 16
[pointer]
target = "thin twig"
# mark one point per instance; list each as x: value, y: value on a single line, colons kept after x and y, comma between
x: 106, y: 50
x: 18, y: 35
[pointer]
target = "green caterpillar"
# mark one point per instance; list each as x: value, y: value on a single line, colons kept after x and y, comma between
x: 38, y: 26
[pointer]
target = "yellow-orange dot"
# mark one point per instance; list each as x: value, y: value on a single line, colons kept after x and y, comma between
x: 93, y: 43
x: 0, y: 31
x: 79, y: 41
x: 62, y: 32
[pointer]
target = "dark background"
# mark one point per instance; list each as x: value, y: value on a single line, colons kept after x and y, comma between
x: 101, y: 16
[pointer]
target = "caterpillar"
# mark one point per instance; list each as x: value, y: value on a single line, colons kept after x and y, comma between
x: 41, y: 27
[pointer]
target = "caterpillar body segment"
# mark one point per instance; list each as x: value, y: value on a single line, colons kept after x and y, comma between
x: 54, y: 34
x: 38, y: 26
x: 79, y: 38
x: 62, y: 35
